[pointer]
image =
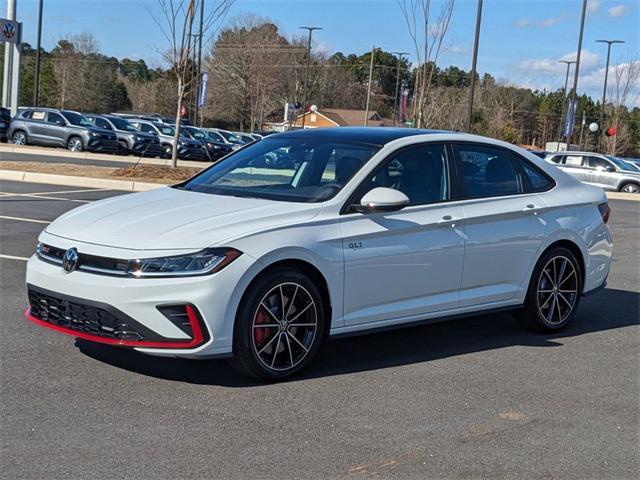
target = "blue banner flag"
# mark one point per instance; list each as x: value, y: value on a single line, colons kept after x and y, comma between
x: 202, y: 94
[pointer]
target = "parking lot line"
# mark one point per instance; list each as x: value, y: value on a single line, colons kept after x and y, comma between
x: 13, y: 257
x: 6, y: 217
x: 71, y: 191
x: 31, y: 195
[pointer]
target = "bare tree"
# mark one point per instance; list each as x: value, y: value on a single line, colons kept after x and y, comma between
x: 428, y: 38
x: 176, y: 22
x: 623, y: 91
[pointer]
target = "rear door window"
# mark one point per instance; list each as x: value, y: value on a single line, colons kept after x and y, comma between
x: 489, y: 171
x: 574, y: 160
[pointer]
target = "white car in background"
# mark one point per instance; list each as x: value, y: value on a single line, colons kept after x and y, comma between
x: 365, y: 229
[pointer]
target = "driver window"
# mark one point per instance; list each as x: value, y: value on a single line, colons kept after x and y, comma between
x: 420, y: 173
x: 55, y: 119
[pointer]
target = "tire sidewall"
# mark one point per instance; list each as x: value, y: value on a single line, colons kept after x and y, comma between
x: 19, y: 132
x: 531, y: 304
x: 244, y: 353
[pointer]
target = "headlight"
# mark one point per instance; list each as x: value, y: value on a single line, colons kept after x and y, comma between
x: 94, y: 134
x: 211, y: 145
x: 204, y: 262
x: 138, y: 139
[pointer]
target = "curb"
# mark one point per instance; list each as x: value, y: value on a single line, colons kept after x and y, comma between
x: 71, y: 181
x: 129, y: 159
x: 632, y: 197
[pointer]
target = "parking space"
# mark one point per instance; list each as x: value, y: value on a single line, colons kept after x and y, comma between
x: 472, y: 398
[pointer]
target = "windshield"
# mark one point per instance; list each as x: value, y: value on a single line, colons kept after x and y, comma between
x: 195, y: 133
x: 76, y: 119
x: 285, y: 169
x: 166, y: 130
x: 121, y: 124
x: 230, y: 137
x: 622, y: 165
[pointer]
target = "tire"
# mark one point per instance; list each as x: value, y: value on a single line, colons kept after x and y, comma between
x: 74, y: 144
x: 630, y: 188
x: 19, y: 138
x: 279, y: 326
x: 123, y: 148
x: 554, y: 292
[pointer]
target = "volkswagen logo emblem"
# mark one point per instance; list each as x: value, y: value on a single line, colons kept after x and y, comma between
x: 9, y: 30
x: 70, y: 260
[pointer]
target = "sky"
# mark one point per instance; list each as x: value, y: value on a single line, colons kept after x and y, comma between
x: 521, y: 41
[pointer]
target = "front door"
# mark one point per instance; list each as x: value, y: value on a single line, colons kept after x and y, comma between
x: 404, y: 264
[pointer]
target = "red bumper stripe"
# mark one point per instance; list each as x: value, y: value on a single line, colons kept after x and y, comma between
x: 196, y: 328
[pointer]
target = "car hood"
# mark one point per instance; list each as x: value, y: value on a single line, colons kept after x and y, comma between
x: 169, y: 218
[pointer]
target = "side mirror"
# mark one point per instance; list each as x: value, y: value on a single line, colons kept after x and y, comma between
x: 383, y: 199
x: 610, y: 168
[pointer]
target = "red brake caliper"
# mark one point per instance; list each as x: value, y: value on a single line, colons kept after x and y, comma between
x: 260, y: 334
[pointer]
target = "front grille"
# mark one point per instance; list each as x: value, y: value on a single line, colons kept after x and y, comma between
x: 88, y: 263
x: 100, y: 320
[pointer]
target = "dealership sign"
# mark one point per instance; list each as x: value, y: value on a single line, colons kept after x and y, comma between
x: 10, y: 31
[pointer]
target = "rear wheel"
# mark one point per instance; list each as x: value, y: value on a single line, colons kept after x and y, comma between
x: 166, y: 151
x: 279, y: 326
x: 74, y: 144
x: 19, y: 138
x: 554, y: 292
x: 630, y: 188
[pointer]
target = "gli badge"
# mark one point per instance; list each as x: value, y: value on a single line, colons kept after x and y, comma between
x: 70, y: 260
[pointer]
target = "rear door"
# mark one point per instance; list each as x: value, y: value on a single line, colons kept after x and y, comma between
x: 502, y: 223
x: 38, y: 128
x: 576, y: 166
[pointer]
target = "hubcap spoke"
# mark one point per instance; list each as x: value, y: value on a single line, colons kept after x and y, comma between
x: 279, y: 333
x: 559, y: 302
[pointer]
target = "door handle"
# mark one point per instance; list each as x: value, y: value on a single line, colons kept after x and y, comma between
x: 447, y: 221
x: 531, y: 209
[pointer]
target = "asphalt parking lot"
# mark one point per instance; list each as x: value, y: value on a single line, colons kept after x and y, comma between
x: 472, y: 398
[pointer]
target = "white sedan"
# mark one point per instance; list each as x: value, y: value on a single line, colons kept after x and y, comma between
x: 356, y: 230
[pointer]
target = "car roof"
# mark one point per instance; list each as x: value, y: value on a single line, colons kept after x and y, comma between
x: 373, y: 135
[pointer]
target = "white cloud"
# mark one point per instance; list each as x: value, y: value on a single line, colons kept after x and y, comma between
x: 523, y: 22
x: 617, y: 11
x: 548, y: 22
x: 457, y: 50
x: 552, y: 67
x: 593, y: 6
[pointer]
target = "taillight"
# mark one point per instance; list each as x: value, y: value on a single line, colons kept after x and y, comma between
x: 605, y: 211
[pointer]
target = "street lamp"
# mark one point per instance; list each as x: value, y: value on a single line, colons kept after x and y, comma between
x: 36, y: 78
x: 306, y: 74
x: 572, y: 104
x: 395, y: 100
x: 606, y: 76
x: 564, y: 97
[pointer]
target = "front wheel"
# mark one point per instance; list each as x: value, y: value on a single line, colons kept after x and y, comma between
x: 166, y: 151
x: 630, y: 188
x: 279, y: 326
x: 554, y: 292
x: 74, y: 144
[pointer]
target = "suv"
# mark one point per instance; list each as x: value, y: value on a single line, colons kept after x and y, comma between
x: 60, y: 128
x: 5, y: 120
x: 214, y: 145
x: 131, y: 139
x: 610, y: 173
x: 187, y: 150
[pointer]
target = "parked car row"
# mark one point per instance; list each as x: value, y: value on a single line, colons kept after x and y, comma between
x: 118, y: 133
x: 605, y: 171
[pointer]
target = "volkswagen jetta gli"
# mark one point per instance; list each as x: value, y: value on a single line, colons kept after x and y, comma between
x: 355, y: 230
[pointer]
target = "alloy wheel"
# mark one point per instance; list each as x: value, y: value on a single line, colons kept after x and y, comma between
x: 19, y: 138
x: 75, y: 145
x: 557, y: 291
x: 284, y: 327
x: 630, y: 188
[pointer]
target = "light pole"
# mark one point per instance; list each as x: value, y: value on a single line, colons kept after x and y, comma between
x: 572, y: 105
x: 604, y: 90
x: 564, y: 98
x: 473, y: 65
x: 36, y: 78
x: 306, y: 73
x: 395, y: 99
x: 366, y: 110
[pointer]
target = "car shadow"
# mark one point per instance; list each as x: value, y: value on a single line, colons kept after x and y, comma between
x: 607, y: 310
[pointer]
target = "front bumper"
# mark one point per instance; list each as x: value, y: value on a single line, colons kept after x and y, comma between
x: 102, y: 146
x: 192, y: 153
x: 146, y: 149
x: 214, y: 299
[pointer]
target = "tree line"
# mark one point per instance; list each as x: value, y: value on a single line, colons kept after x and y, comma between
x: 254, y: 68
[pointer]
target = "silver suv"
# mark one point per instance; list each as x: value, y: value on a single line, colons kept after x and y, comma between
x: 60, y: 128
x: 188, y: 149
x: 610, y: 173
